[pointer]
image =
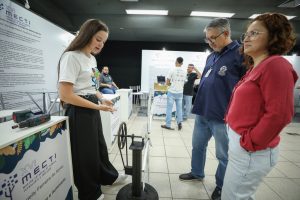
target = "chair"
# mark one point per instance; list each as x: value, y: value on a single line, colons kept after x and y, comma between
x: 136, y: 95
x: 144, y: 99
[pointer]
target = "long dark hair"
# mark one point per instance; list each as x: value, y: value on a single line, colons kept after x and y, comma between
x: 87, y: 31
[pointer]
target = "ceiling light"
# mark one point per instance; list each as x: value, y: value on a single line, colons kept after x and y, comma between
x: 290, y: 4
x: 129, y: 0
x: 27, y: 4
x: 211, y: 14
x: 147, y: 12
x: 290, y: 17
x: 253, y: 16
x: 256, y: 15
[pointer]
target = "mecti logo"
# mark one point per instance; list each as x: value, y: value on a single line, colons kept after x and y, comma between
x: 13, y: 16
x: 37, y: 169
x: 8, y: 186
x: 27, y: 177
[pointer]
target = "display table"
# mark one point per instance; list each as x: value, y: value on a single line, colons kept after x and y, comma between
x: 159, y: 105
x: 160, y: 87
x: 111, y: 121
x: 35, y: 163
x: 125, y: 103
x: 6, y: 115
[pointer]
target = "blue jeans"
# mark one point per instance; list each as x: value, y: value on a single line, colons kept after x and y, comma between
x: 203, y: 130
x: 171, y: 97
x: 186, y: 106
x: 246, y: 170
x: 111, y: 90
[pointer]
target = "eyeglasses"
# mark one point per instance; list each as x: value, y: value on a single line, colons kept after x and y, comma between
x: 250, y: 34
x: 212, y: 39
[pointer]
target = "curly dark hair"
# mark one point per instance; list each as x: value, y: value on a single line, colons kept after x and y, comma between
x: 281, y: 35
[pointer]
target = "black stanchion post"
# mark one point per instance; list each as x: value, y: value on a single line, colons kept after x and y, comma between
x: 136, y: 148
x: 134, y: 190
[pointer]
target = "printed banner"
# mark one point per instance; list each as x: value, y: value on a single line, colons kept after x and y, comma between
x: 37, y: 167
x: 159, y: 105
x: 30, y: 48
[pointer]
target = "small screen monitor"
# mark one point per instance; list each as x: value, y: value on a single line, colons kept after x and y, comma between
x: 161, y: 79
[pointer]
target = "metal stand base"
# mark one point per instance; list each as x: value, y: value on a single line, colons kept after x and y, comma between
x: 149, y: 193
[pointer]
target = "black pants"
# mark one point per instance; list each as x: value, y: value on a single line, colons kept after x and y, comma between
x: 91, y: 165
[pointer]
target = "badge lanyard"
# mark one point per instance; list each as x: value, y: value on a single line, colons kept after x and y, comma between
x: 211, y: 63
x: 214, y: 59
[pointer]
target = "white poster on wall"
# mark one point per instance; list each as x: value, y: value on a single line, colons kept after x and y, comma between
x: 30, y: 48
x: 159, y: 63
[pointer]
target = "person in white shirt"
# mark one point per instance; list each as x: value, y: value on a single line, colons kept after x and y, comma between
x: 175, y: 80
x: 78, y: 92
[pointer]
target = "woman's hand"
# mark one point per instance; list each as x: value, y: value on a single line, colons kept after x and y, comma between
x: 106, y: 108
x: 107, y: 102
x: 67, y: 95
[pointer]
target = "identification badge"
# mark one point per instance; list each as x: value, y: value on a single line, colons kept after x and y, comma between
x: 208, y: 72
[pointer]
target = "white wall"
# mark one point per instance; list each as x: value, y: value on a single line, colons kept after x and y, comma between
x: 157, y: 62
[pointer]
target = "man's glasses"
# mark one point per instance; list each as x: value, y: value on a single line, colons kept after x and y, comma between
x: 250, y: 34
x: 212, y: 39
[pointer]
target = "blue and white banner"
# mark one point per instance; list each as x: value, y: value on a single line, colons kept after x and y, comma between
x: 37, y: 167
x: 159, y: 106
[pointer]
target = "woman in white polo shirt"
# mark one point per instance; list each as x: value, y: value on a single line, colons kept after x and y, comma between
x: 91, y: 164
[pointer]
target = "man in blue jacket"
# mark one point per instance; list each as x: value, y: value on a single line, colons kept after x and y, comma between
x: 222, y: 71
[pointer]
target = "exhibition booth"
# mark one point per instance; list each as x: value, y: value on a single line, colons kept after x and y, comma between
x: 35, y: 151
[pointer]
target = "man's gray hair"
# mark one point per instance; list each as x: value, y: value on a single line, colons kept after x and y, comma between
x: 221, y: 23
